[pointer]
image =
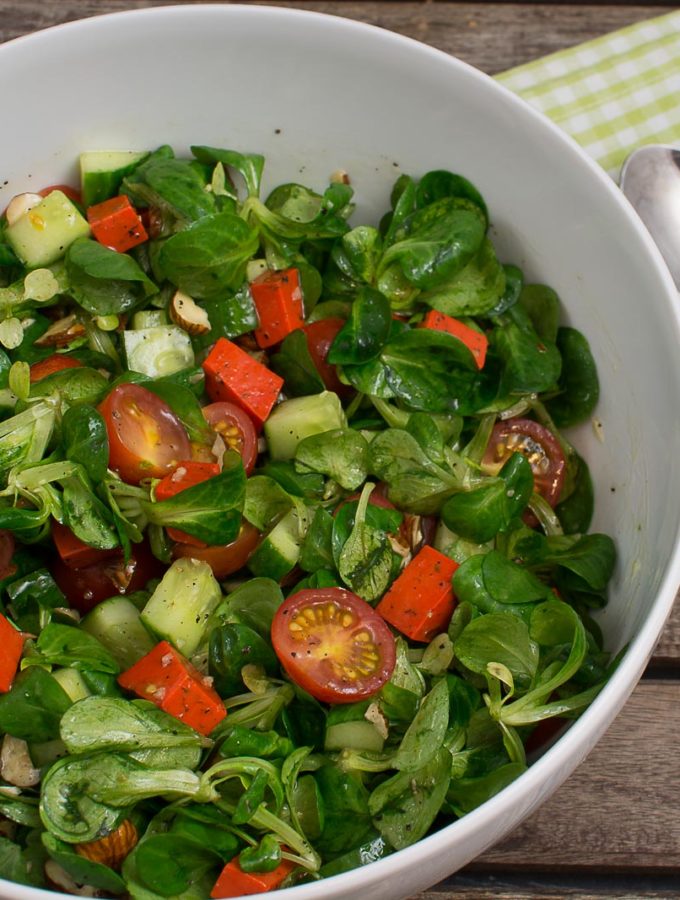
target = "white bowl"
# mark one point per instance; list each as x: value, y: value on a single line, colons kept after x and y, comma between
x: 350, y: 96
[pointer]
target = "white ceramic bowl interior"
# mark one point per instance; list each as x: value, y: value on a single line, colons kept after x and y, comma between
x: 317, y: 93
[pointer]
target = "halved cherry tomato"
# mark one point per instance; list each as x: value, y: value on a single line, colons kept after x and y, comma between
x: 538, y: 444
x: 70, y: 192
x: 333, y: 644
x: 224, y: 559
x: 146, y: 439
x: 236, y: 429
x: 320, y: 335
x: 51, y: 364
x: 85, y: 588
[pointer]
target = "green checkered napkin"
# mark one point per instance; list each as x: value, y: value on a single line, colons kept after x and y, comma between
x: 612, y: 94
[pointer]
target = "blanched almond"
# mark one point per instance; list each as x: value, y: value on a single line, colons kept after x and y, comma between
x: 20, y: 205
x: 186, y: 313
x: 62, y: 332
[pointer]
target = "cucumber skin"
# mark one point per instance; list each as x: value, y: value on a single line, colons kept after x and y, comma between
x: 102, y: 173
x: 280, y: 551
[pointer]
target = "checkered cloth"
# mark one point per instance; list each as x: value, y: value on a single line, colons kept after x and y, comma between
x: 612, y: 94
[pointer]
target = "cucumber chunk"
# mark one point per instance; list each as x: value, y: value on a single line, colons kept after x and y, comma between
x: 179, y: 609
x: 43, y: 234
x: 73, y: 683
x: 149, y: 318
x: 293, y: 420
x: 347, y: 728
x: 102, y: 172
x: 159, y: 350
x: 116, y: 623
x: 280, y: 551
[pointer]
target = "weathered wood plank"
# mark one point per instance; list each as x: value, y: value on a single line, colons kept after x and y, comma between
x: 667, y: 652
x: 491, y: 36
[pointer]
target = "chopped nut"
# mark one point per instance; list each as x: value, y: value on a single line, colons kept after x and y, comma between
x: 16, y: 766
x: 20, y: 205
x: 186, y: 313
x: 62, y: 332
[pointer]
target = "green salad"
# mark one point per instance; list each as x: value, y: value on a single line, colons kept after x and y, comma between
x: 294, y: 554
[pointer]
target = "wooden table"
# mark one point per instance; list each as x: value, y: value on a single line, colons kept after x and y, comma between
x: 613, y: 830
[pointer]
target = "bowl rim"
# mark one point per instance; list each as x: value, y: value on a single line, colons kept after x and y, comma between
x: 562, y: 758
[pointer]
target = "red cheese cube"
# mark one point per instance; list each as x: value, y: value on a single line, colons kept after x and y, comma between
x: 475, y: 341
x: 168, y: 679
x: 234, y: 882
x: 12, y: 643
x: 278, y: 300
x: 420, y: 601
x: 116, y: 224
x: 233, y: 375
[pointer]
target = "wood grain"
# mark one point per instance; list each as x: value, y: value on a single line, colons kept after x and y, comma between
x: 491, y: 36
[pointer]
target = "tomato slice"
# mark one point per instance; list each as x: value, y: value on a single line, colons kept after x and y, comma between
x: 320, y: 335
x: 51, y: 364
x: 146, y: 439
x: 86, y: 587
x: 236, y: 429
x: 333, y: 644
x: 538, y: 444
x: 224, y: 559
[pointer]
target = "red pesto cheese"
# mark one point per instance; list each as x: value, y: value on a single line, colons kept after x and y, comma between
x: 420, y: 601
x: 116, y: 224
x: 278, y: 300
x: 233, y: 375
x: 476, y: 342
x: 234, y: 882
x: 12, y: 643
x: 168, y: 679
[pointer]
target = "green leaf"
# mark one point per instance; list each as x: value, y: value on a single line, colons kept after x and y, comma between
x: 87, y: 517
x: 266, y: 502
x: 103, y: 281
x: 479, y: 514
x: 425, y: 734
x: 436, y: 242
x: 33, y: 708
x: 85, y: 440
x: 295, y: 365
x: 578, y: 385
x: 211, y: 510
x: 475, y: 290
x: 210, y: 256
x: 254, y: 603
x: 67, y: 645
x: 530, y: 364
x: 176, y: 188
x: 81, y: 869
x: 466, y: 794
x: 365, y: 562
x: 405, y: 805
x: 498, y: 638
x: 365, y: 332
x: 415, y: 482
x: 249, y: 165
x: 542, y: 306
x: 340, y: 454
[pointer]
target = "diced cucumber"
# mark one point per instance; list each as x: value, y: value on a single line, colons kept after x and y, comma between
x: 73, y: 683
x: 116, y: 623
x: 43, y: 234
x: 279, y: 552
x: 149, y: 318
x: 157, y: 351
x: 180, y: 607
x: 293, y: 420
x: 102, y: 172
x: 347, y: 728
